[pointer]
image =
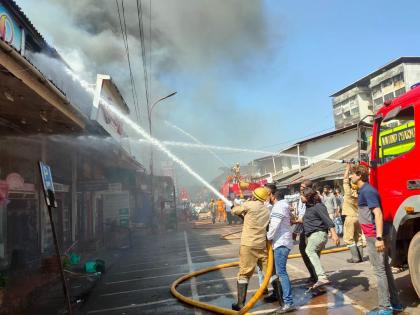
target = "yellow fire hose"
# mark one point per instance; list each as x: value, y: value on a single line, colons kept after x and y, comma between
x: 254, y: 299
x: 218, y: 309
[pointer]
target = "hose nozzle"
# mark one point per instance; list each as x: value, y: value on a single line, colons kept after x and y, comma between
x: 351, y: 161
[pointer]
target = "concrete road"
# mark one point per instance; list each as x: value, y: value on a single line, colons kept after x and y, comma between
x: 139, y: 282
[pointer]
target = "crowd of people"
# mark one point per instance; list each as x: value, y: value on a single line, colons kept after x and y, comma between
x: 268, y: 216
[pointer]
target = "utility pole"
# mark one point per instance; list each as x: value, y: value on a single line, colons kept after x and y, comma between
x: 149, y: 116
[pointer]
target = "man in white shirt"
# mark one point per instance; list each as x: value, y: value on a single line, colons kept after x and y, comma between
x: 280, y: 233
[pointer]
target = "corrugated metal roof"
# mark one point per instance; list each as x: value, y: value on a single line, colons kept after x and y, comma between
x: 18, y: 10
x: 324, y: 169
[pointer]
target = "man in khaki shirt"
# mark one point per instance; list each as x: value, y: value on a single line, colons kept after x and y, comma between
x: 352, y: 231
x: 253, y: 249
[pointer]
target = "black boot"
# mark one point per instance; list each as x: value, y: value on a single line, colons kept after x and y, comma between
x: 360, y: 252
x: 274, y: 296
x: 279, y: 291
x: 354, y: 255
x: 270, y: 298
x: 242, y: 288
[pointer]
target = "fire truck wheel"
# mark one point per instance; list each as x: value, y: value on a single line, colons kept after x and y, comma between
x: 414, y: 262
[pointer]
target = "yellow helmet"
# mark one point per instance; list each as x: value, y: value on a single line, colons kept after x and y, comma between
x: 243, y: 185
x: 261, y: 194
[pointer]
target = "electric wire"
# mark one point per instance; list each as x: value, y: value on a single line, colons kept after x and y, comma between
x: 150, y: 47
x: 143, y: 54
x: 127, y: 52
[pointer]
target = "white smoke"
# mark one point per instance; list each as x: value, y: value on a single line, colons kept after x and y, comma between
x: 196, y: 47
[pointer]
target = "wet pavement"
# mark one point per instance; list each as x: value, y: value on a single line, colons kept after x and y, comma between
x: 139, y: 281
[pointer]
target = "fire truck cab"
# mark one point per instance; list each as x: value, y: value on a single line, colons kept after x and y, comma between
x: 395, y: 172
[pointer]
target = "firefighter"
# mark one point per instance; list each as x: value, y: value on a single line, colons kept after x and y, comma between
x: 221, y: 210
x: 352, y: 231
x: 212, y: 208
x: 253, y: 250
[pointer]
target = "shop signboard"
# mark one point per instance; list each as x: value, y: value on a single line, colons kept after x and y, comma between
x: 123, y: 215
x: 47, y: 184
x: 106, y: 97
x: 10, y: 31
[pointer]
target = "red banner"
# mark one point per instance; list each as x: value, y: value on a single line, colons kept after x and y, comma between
x: 183, y: 195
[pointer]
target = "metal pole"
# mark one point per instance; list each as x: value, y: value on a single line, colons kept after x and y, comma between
x: 298, y: 153
x: 60, y: 265
x: 274, y: 165
x: 149, y: 114
x: 152, y: 190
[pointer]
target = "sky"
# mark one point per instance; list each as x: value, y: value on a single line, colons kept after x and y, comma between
x: 249, y: 74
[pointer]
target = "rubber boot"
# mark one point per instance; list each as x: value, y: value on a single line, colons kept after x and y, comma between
x: 242, y: 289
x: 360, y: 252
x: 354, y: 255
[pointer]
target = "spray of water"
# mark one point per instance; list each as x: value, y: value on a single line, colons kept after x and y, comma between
x: 242, y: 150
x: 196, y: 141
x: 140, y: 131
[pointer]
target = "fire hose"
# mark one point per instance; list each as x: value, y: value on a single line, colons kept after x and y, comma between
x: 254, y: 299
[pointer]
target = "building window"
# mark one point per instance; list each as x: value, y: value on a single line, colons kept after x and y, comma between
x: 398, y: 81
x: 387, y: 86
x: 378, y: 102
x: 354, y: 111
x: 386, y: 83
x: 399, y: 92
x: 376, y: 91
x: 389, y: 96
x: 338, y: 111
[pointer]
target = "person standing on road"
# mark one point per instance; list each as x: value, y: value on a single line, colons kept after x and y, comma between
x: 280, y: 233
x: 376, y: 231
x: 352, y: 232
x: 213, y: 209
x: 238, y: 201
x: 228, y: 213
x: 339, y: 199
x: 273, y: 296
x: 299, y: 229
x: 221, y: 210
x: 317, y: 224
x: 339, y: 218
x: 253, y: 250
x: 330, y: 202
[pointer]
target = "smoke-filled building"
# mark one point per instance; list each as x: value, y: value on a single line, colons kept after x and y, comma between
x: 45, y: 115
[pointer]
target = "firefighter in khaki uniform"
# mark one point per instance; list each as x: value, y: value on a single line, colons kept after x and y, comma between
x: 253, y: 249
x: 352, y: 231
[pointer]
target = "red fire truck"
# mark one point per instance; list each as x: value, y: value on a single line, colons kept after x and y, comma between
x: 395, y: 172
x: 234, y: 190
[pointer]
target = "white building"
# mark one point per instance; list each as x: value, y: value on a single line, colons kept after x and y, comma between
x: 307, y: 151
x: 367, y: 94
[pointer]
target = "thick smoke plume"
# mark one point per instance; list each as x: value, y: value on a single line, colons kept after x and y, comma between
x: 197, y: 48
